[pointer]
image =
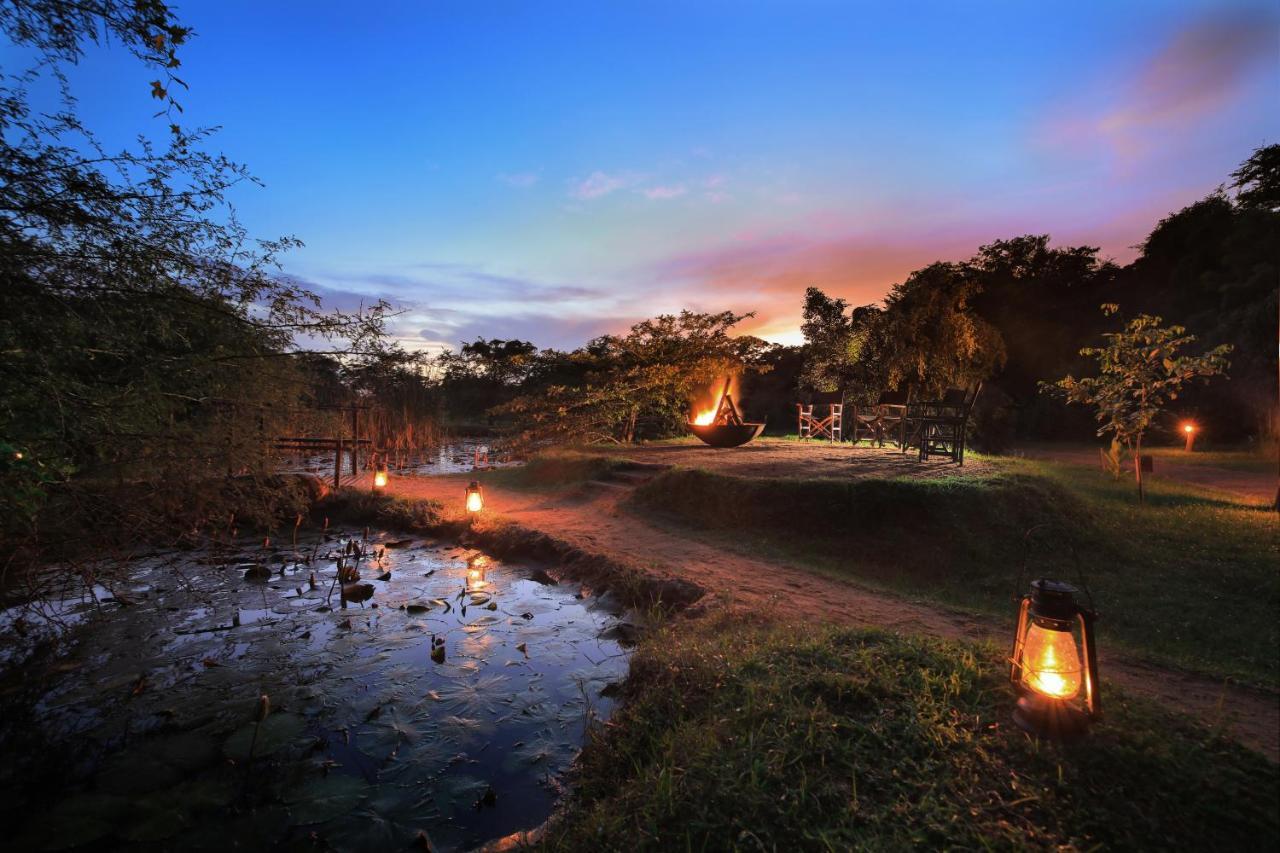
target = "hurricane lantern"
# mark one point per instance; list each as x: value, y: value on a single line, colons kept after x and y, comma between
x: 1189, y: 430
x: 1055, y: 663
x: 380, y: 476
x: 475, y: 497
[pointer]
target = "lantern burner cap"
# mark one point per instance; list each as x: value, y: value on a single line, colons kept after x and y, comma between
x: 1053, y: 599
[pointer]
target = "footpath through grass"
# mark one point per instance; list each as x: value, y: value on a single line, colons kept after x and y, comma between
x: 803, y: 737
x: 1188, y: 578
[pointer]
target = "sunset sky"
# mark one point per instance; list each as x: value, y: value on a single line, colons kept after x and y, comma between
x: 552, y: 171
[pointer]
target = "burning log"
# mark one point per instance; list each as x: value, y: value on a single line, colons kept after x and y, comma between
x: 724, y: 426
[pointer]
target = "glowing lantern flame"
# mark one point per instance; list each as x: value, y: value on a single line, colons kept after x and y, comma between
x: 1188, y: 428
x: 1051, y: 665
x: 475, y: 498
x: 380, y: 478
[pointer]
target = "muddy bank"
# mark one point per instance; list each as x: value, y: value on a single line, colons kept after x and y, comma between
x: 634, y: 584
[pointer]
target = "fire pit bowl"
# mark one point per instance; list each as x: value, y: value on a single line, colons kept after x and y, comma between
x: 726, y: 435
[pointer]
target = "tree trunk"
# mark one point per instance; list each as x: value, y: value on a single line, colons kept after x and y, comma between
x: 1137, y: 467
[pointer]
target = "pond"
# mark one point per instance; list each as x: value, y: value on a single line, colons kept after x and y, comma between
x: 447, y: 696
x: 453, y: 457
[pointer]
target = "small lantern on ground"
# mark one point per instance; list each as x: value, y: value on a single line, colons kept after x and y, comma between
x: 380, y: 476
x: 1055, y: 663
x: 1189, y: 430
x: 475, y: 497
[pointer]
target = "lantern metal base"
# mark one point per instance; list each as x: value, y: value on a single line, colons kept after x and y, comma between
x: 1050, y: 718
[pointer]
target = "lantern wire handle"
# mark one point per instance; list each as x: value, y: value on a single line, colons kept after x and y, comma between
x: 1075, y: 556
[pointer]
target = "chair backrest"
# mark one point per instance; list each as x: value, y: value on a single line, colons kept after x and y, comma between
x: 892, y: 398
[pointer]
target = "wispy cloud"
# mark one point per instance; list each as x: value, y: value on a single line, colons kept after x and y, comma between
x: 660, y: 193
x: 519, y: 180
x: 1200, y: 71
x: 441, y: 304
x: 599, y: 184
x: 714, y: 188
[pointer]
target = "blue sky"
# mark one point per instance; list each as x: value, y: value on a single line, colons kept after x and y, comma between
x: 552, y: 171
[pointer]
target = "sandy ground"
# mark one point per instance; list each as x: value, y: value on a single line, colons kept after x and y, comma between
x: 592, y: 518
x: 810, y: 460
x: 1254, y: 487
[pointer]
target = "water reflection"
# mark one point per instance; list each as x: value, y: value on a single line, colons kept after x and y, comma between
x: 373, y: 736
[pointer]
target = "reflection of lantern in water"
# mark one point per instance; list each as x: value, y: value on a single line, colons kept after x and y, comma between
x: 475, y: 497
x: 477, y: 568
x: 1046, y: 663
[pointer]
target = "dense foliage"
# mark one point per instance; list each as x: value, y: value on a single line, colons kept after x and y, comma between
x: 144, y: 334
x: 621, y: 387
x: 1020, y: 310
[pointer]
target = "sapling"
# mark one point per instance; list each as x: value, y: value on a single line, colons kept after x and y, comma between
x: 1140, y: 369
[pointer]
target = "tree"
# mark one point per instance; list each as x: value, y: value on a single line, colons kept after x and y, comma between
x: 934, y: 337
x: 828, y: 341
x: 619, y: 386
x: 144, y: 334
x: 1140, y: 369
x: 1257, y: 181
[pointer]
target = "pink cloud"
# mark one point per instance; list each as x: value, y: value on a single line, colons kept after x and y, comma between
x: 1203, y: 69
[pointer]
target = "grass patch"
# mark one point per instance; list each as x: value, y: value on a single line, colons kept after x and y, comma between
x: 785, y: 737
x: 554, y: 469
x: 361, y: 506
x: 1189, y: 578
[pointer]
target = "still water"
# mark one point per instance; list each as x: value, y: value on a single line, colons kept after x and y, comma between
x: 449, y: 702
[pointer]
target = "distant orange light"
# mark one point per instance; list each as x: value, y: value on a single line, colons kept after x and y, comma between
x: 1188, y: 427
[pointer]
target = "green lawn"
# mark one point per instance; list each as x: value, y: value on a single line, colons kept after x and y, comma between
x: 804, y: 737
x: 1261, y: 459
x: 1188, y: 578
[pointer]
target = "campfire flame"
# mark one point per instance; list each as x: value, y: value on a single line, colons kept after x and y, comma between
x: 721, y: 408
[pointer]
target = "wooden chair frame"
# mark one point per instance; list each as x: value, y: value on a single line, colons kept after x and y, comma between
x: 877, y: 421
x: 831, y: 427
x: 939, y: 427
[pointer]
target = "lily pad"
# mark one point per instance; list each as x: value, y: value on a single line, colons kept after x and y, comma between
x: 325, y: 798
x: 357, y: 591
x: 78, y: 820
x: 257, y: 830
x: 274, y: 733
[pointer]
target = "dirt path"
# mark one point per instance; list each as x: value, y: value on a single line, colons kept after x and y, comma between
x: 591, y: 518
x: 1255, y: 487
